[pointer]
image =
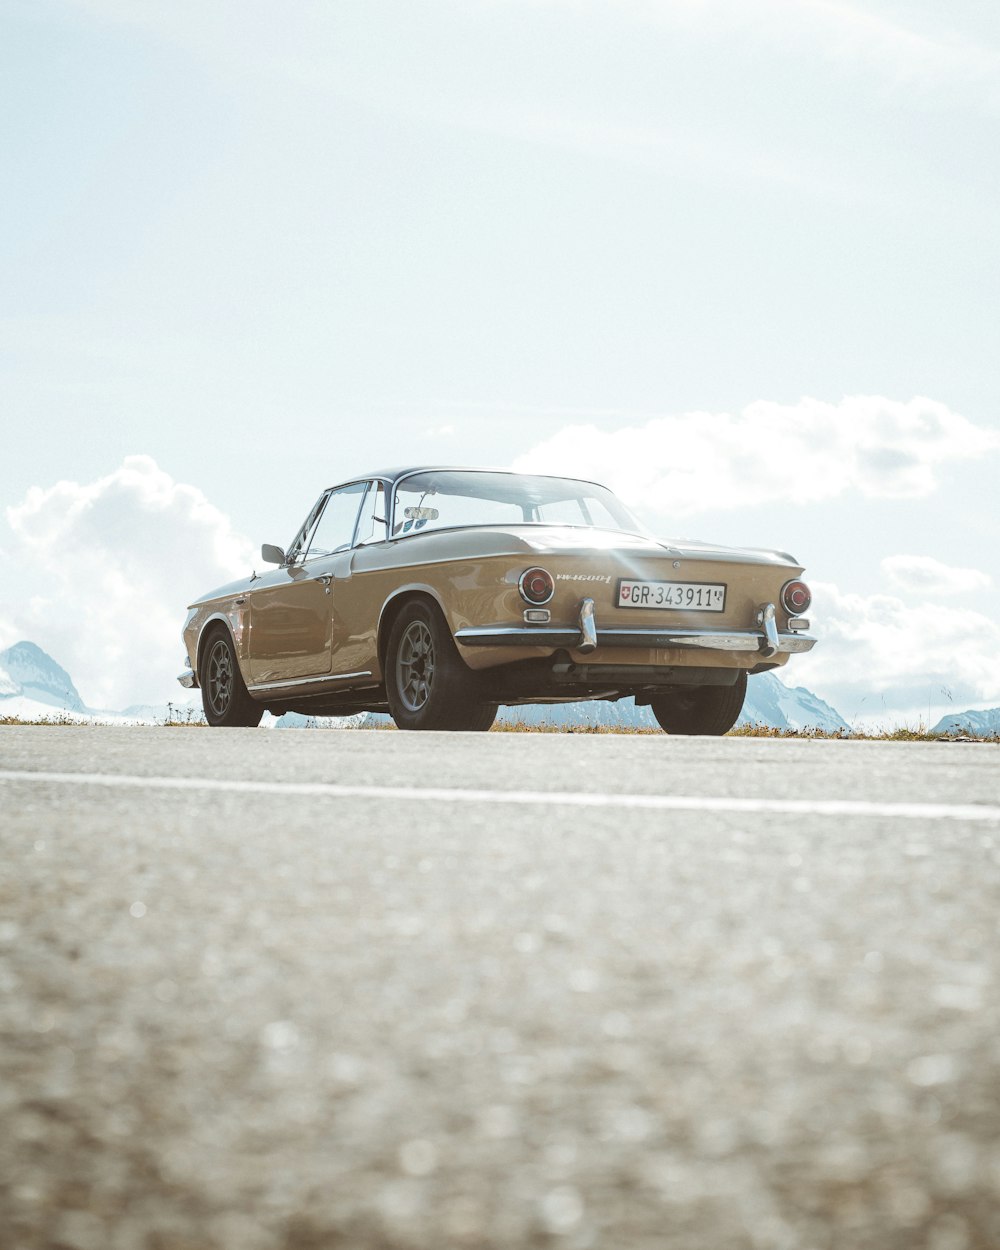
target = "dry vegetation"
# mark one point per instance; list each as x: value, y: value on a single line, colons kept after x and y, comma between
x: 767, y: 731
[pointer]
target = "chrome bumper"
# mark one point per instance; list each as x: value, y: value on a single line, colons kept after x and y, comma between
x: 766, y: 640
x: 188, y: 680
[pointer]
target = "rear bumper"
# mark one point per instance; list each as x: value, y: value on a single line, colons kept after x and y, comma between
x: 188, y: 680
x: 749, y: 640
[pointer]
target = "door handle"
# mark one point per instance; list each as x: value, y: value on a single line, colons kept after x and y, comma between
x: 325, y: 579
x: 240, y: 601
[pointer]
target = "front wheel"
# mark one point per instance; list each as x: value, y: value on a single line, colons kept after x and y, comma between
x: 426, y: 683
x: 224, y: 695
x: 709, y: 710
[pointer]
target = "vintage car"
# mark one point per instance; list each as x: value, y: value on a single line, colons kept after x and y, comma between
x: 437, y: 594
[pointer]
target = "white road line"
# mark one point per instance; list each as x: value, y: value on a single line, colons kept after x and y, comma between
x: 560, y: 798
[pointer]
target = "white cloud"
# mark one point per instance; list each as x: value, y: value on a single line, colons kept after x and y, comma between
x: 316, y: 46
x: 703, y: 151
x: 798, y: 453
x: 114, y: 563
x: 927, y: 576
x: 852, y: 34
x: 934, y: 57
x: 885, y: 660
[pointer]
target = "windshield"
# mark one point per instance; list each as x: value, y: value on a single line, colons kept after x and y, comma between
x: 447, y: 498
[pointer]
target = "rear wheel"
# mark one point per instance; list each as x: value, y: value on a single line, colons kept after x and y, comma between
x: 426, y: 683
x: 224, y: 695
x: 709, y: 710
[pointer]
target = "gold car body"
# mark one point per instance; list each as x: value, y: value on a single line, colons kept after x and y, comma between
x: 312, y: 633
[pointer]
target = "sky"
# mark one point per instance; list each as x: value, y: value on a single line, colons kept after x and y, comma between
x: 737, y: 260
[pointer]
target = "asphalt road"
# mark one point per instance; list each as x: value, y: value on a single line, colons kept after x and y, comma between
x: 264, y: 992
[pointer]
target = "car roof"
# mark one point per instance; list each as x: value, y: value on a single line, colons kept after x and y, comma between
x: 393, y: 475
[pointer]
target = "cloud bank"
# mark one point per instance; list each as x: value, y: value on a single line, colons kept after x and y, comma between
x: 801, y: 453
x: 880, y: 658
x: 113, y: 564
x: 924, y: 575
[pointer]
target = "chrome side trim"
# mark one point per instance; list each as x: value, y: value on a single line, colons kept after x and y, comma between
x: 305, y: 681
x: 588, y: 627
x: 706, y: 639
x: 517, y: 636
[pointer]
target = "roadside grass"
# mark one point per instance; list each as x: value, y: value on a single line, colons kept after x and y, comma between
x: 896, y: 734
x: 62, y: 718
x: 187, y: 718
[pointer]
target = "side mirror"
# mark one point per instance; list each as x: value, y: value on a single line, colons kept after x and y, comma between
x: 271, y: 554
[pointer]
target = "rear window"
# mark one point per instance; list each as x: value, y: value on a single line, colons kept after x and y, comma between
x: 449, y: 499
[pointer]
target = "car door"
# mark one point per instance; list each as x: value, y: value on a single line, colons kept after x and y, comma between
x: 358, y: 597
x: 292, y: 619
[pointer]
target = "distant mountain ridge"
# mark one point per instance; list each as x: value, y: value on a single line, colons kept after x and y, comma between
x: 975, y: 724
x: 769, y: 702
x: 31, y: 683
x: 25, y: 669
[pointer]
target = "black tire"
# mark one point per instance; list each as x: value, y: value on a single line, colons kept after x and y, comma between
x: 709, y: 710
x: 224, y: 694
x: 427, y: 684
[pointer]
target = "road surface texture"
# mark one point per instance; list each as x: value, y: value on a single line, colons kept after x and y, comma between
x: 263, y: 991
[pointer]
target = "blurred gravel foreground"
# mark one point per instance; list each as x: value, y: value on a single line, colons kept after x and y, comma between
x: 287, y: 1022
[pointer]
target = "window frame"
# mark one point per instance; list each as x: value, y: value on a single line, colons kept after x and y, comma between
x: 375, y: 484
x: 396, y: 483
x: 307, y: 529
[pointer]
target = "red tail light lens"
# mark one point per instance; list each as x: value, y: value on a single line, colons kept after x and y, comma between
x: 795, y: 598
x: 536, y: 586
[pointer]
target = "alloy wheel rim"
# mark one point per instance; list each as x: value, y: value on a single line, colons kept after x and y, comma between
x: 220, y: 678
x: 415, y: 666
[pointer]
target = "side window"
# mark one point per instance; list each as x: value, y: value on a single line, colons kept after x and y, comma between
x: 335, y: 530
x: 372, y: 525
x: 562, y: 512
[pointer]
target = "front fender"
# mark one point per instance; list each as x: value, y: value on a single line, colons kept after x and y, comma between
x: 235, y: 618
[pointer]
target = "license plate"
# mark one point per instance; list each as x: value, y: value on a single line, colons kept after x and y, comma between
x: 693, y: 596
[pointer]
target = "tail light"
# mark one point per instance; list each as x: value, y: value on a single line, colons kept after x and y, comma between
x: 536, y: 586
x: 795, y: 598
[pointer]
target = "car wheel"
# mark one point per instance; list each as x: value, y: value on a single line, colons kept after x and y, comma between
x: 427, y: 684
x: 224, y: 694
x: 711, y: 710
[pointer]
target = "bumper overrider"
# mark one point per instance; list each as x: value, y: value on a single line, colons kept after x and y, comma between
x: 765, y: 640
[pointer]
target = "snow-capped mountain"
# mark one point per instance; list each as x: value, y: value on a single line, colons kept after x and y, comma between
x: 975, y: 724
x: 27, y: 670
x: 33, y: 685
x: 769, y: 702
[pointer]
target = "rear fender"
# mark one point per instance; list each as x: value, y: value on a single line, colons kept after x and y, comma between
x: 394, y: 605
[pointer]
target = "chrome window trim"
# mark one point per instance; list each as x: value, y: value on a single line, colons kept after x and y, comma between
x: 506, y: 525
